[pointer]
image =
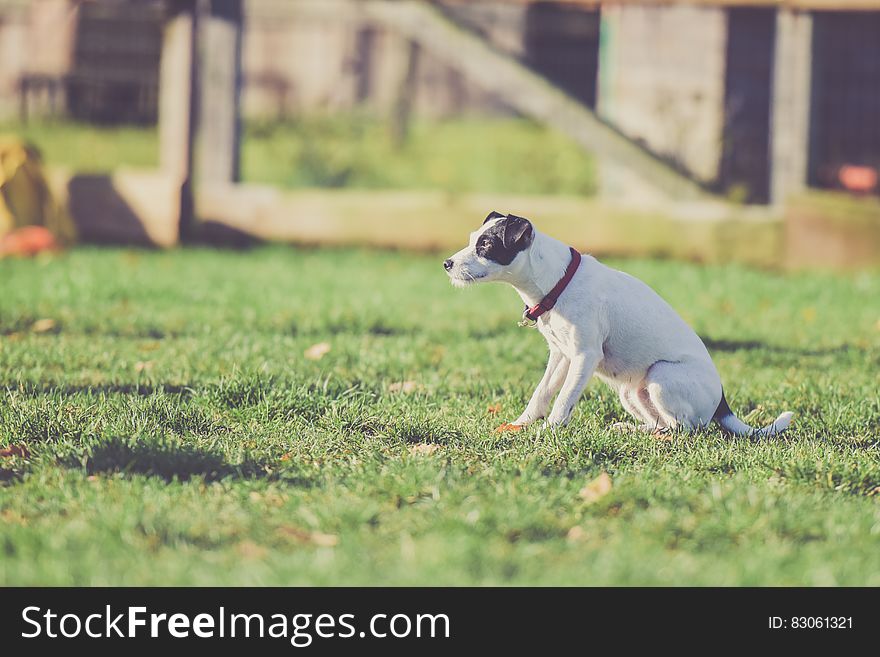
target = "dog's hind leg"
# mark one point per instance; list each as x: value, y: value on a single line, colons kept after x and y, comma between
x: 637, y: 402
x: 551, y: 382
x: 629, y: 399
x: 684, y: 394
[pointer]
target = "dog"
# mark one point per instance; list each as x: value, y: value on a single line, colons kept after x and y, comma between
x: 601, y: 321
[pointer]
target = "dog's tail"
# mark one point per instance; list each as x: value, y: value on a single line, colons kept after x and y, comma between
x: 730, y: 422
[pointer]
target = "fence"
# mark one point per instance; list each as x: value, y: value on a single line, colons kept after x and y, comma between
x: 701, y: 94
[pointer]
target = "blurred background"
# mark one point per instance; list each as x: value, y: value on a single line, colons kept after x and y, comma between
x: 716, y: 130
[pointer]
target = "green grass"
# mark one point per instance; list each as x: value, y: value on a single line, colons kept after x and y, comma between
x: 87, y: 148
x: 178, y: 435
x: 463, y: 155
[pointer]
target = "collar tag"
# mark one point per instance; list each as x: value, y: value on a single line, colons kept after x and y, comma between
x: 526, y: 321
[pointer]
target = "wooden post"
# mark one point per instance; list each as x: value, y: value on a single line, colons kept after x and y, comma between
x: 177, y: 84
x: 790, y: 104
x: 219, y: 133
x: 401, y: 116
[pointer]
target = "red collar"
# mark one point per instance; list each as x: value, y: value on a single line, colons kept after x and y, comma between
x: 532, y: 314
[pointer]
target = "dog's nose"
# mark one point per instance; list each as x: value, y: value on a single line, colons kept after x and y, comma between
x: 447, y: 264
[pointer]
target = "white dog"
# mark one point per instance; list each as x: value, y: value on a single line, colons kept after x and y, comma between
x: 601, y: 321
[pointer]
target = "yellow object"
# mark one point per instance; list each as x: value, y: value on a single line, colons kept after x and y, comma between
x: 25, y: 198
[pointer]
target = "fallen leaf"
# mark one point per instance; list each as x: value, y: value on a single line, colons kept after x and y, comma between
x: 142, y: 366
x: 250, y: 550
x: 596, y: 489
x: 665, y: 436
x: 286, y: 457
x: 423, y: 448
x: 15, y: 450
x: 508, y: 428
x: 324, y: 540
x: 275, y: 499
x: 403, y: 386
x: 317, y: 351
x: 305, y: 536
x: 10, y: 516
x: 43, y: 325
x: 493, y: 409
x: 575, y: 534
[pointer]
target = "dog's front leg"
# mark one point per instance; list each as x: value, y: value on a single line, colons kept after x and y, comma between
x: 581, y: 369
x: 554, y: 375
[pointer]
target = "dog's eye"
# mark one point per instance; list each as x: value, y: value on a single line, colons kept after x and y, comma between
x: 483, y: 245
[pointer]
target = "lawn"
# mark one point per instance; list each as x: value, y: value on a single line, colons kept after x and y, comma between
x: 353, y: 151
x: 178, y: 433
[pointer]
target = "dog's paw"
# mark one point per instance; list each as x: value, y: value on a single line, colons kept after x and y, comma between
x: 553, y: 422
x: 627, y: 427
x: 548, y: 427
x: 507, y: 427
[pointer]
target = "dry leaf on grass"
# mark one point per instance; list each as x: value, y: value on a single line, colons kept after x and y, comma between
x: 43, y: 325
x: 317, y: 351
x: 507, y: 427
x: 308, y: 537
x: 403, y: 386
x: 423, y: 448
x: 493, y: 409
x: 575, y: 534
x: 250, y: 550
x: 15, y: 450
x: 10, y: 516
x: 596, y: 489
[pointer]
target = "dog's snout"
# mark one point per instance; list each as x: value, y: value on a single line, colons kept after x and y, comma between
x: 447, y: 264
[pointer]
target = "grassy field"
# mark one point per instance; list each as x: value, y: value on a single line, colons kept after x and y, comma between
x: 457, y: 156
x: 178, y: 432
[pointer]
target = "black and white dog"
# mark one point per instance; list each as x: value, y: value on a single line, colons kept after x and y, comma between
x: 598, y: 320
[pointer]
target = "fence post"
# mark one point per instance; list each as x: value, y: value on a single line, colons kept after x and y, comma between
x: 219, y: 138
x: 790, y: 104
x: 177, y: 84
x: 401, y: 113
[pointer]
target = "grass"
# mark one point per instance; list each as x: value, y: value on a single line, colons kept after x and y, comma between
x: 178, y: 435
x: 457, y: 156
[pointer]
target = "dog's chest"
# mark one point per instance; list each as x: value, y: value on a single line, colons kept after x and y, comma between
x: 557, y: 333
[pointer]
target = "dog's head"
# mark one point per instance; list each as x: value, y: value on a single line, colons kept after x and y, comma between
x: 494, y: 251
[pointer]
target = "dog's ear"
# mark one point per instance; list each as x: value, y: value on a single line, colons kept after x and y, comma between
x: 518, y: 233
x: 492, y: 215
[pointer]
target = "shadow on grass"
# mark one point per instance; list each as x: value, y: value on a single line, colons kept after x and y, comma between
x: 139, y: 389
x: 414, y: 434
x: 172, y: 461
x: 7, y: 475
x: 757, y: 345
